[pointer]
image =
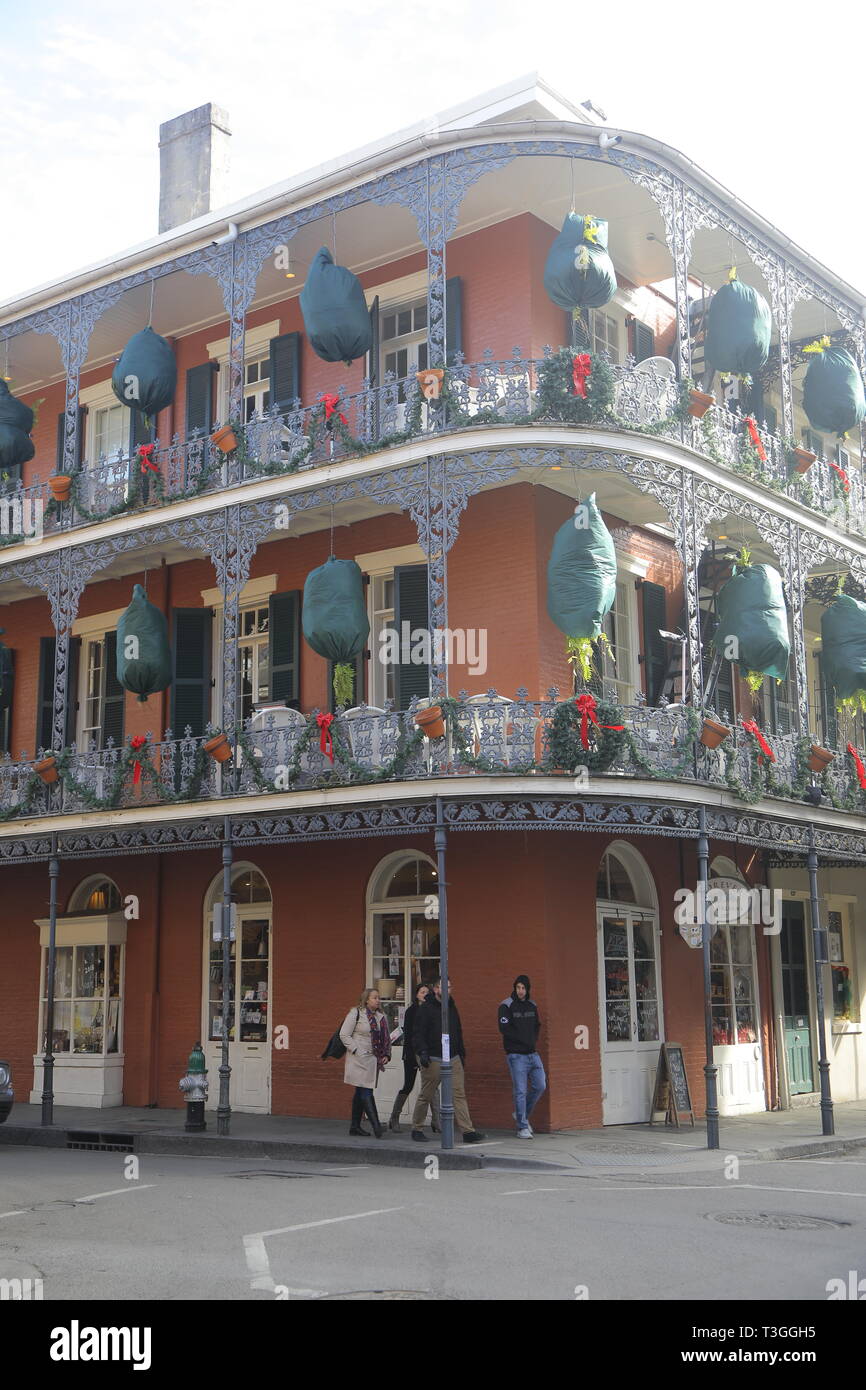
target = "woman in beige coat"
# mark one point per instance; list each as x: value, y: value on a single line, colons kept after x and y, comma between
x: 367, y: 1039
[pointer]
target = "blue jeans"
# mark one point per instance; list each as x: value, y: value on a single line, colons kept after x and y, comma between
x: 526, y: 1068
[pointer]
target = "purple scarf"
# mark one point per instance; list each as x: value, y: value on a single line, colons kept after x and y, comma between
x: 380, y: 1038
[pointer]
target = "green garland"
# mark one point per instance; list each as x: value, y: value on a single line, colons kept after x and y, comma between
x: 564, y: 747
x: 135, y: 498
x: 762, y: 780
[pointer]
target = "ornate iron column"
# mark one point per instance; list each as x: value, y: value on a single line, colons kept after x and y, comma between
x: 48, y: 1055
x: 819, y: 943
x: 796, y: 583
x: 224, y: 1109
x: 447, y: 1103
x: 711, y: 1071
x: 783, y: 303
x: 691, y: 542
x: 435, y: 235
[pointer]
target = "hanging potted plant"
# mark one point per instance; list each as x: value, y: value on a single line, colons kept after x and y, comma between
x: 738, y: 331
x: 334, y: 619
x: 843, y: 651
x: 46, y: 768
x: 581, y: 583
x: 430, y: 721
x: 820, y: 758
x: 753, y: 622
x: 61, y: 486
x: 218, y: 747
x: 225, y: 439
x: 700, y: 402
x: 713, y: 733
x: 801, y: 458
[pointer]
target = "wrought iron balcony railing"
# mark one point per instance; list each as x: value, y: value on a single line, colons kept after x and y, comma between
x: 487, y: 736
x: 490, y: 392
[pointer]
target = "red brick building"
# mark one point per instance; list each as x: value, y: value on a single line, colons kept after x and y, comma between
x: 450, y: 508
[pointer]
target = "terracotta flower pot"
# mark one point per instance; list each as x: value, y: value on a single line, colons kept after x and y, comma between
x: 430, y: 722
x: 47, y: 769
x: 225, y: 439
x: 61, y: 487
x: 713, y: 733
x: 804, y: 460
x: 430, y: 381
x: 700, y: 402
x: 820, y: 758
x: 219, y: 748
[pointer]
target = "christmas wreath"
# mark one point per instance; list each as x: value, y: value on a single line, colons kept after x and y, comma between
x: 576, y: 388
x: 584, y: 733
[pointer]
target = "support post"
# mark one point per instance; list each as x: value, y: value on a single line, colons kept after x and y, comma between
x: 224, y: 1110
x: 819, y: 943
x: 711, y: 1071
x: 48, y: 1055
x: 447, y: 1102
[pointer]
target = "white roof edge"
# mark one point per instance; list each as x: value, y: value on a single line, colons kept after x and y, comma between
x: 448, y: 130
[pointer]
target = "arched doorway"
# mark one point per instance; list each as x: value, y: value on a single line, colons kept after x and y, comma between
x: 250, y: 1034
x: 402, y: 940
x: 629, y: 983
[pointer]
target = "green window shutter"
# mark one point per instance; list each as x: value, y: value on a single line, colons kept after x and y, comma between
x: 284, y: 613
x: 828, y: 705
x: 643, y: 341
x: 115, y: 695
x: 192, y: 630
x: 373, y: 354
x: 567, y: 328
x: 771, y: 418
x: 410, y: 607
x: 45, y: 717
x: 285, y: 370
x: 655, y: 649
x: 72, y: 689
x: 453, y: 318
x: 199, y: 398
x: 6, y: 716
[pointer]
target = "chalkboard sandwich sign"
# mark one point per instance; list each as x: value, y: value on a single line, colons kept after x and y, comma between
x: 671, y: 1096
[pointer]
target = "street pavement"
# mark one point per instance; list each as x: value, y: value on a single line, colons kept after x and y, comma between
x: 722, y: 1226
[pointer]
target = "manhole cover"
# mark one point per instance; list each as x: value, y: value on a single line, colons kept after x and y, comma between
x: 775, y: 1220
x: 415, y: 1295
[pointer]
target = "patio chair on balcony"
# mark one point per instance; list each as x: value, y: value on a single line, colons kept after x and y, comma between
x: 491, y: 726
x: 274, y: 731
x: 655, y: 379
x: 364, y: 726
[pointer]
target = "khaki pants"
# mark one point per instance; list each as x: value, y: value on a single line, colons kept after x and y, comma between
x: 430, y: 1078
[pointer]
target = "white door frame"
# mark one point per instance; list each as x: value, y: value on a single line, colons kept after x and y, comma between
x: 630, y: 911
x: 213, y: 1046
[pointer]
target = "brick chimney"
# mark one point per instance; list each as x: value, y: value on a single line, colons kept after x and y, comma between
x: 194, y: 159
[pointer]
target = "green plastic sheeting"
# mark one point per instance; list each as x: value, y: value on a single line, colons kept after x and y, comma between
x: 738, y: 330
x: 7, y: 676
x: 143, y: 652
x: 335, y: 311
x: 581, y: 573
x: 578, y: 273
x: 145, y: 376
x: 833, y: 396
x: 751, y: 608
x: 334, y: 615
x: 843, y: 646
x: 16, y: 422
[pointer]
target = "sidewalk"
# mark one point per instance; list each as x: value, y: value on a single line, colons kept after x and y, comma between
x: 789, y: 1134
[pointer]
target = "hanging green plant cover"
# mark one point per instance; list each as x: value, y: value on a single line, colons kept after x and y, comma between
x: 7, y: 675
x: 16, y: 422
x: 581, y: 581
x: 14, y: 412
x: 334, y: 618
x: 753, y: 623
x: 335, y: 311
x: 143, y: 651
x: 145, y: 376
x: 578, y: 273
x: 739, y: 325
x: 843, y: 649
x: 833, y: 396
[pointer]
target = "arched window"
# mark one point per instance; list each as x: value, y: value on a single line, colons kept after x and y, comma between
x: 96, y: 894
x: 623, y: 877
x: 403, y: 929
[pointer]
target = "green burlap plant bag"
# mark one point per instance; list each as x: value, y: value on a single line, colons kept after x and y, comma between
x: 753, y: 623
x: 335, y: 311
x: 739, y: 325
x: 843, y: 649
x: 143, y: 651
x: 833, y: 396
x: 145, y: 376
x: 578, y: 273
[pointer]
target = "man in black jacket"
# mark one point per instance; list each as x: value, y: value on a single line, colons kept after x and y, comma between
x: 427, y: 1046
x: 520, y: 1026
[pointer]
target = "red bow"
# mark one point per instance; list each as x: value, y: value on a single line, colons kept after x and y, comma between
x: 752, y: 427
x: 586, y: 707
x: 145, y: 458
x: 581, y: 368
x: 751, y: 728
x: 135, y: 744
x: 858, y: 763
x: 330, y: 403
x: 326, y: 743
x: 845, y: 480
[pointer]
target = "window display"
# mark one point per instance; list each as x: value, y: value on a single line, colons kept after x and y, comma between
x: 732, y: 974
x: 83, y: 999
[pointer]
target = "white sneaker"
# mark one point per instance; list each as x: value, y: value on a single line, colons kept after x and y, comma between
x: 524, y: 1133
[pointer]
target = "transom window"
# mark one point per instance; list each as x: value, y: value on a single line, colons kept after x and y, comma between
x: 404, y: 338
x: 254, y: 657
x: 257, y: 386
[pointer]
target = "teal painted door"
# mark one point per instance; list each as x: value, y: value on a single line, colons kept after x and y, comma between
x: 795, y: 987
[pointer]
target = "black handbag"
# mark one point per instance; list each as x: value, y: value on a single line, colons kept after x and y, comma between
x: 335, y: 1046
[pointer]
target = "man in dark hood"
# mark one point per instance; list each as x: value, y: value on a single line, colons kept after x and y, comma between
x: 520, y: 1025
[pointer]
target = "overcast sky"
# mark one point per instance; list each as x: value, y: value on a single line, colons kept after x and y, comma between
x: 766, y: 97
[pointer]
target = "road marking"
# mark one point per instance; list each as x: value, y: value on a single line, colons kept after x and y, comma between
x: 523, y: 1191
x: 4, y: 1214
x: 256, y: 1253
x: 115, y: 1192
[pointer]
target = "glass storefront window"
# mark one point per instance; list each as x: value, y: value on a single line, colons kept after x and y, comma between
x: 83, y: 999
x: 732, y: 985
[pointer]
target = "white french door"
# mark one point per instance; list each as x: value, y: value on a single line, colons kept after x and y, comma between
x: 402, y: 953
x: 630, y: 1010
x: 250, y: 1034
